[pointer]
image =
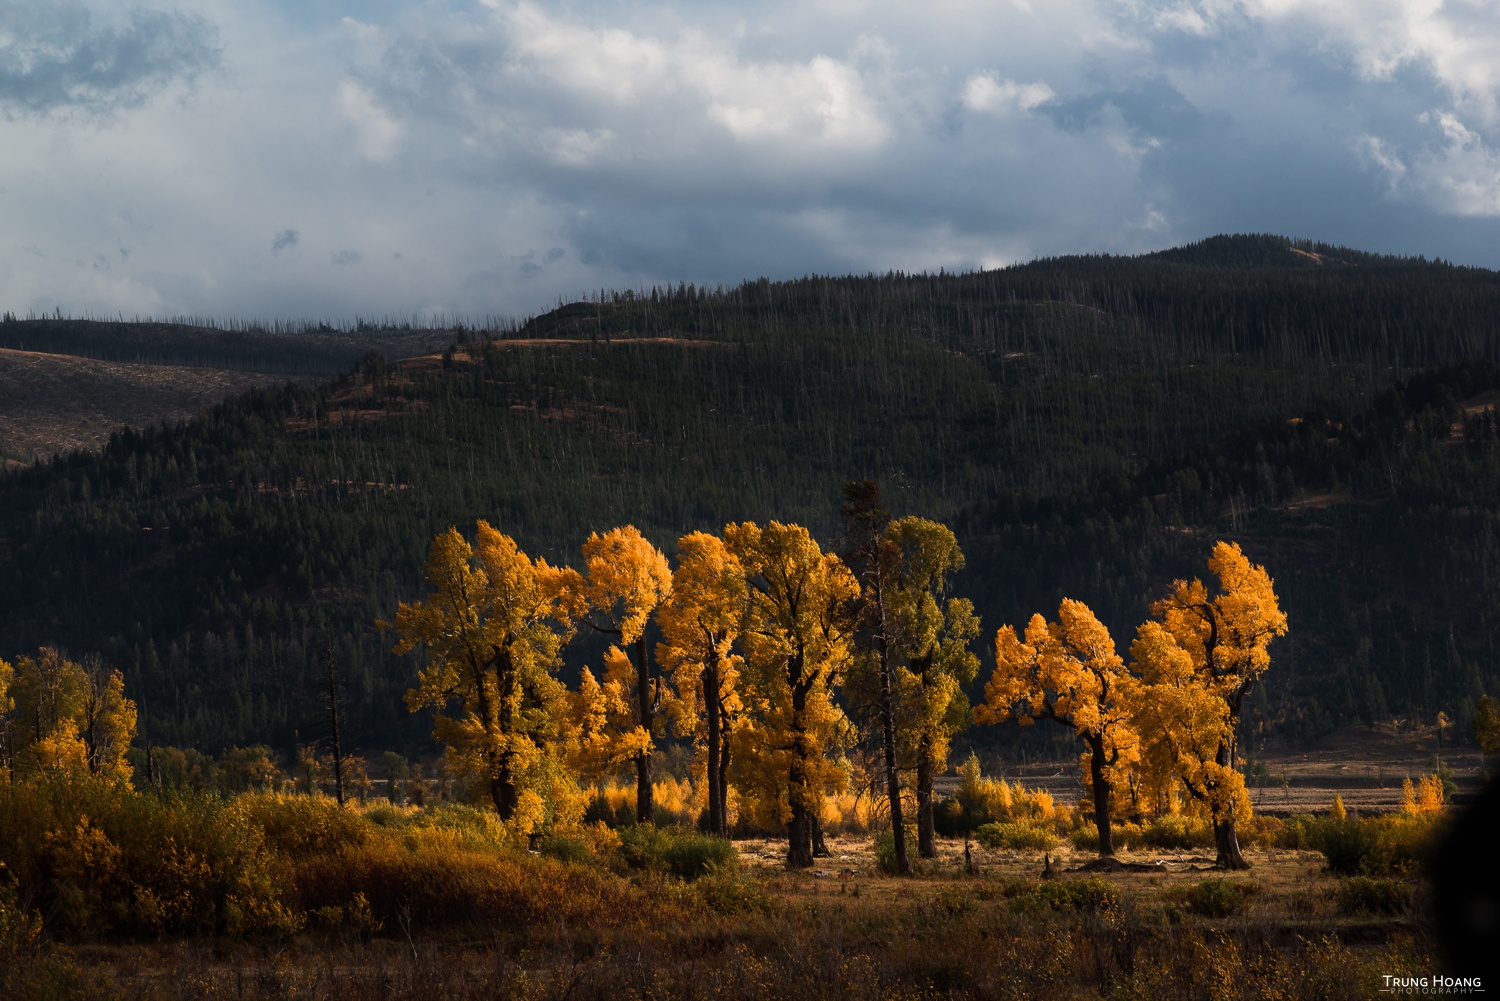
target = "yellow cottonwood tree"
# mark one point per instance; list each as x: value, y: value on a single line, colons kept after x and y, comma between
x: 700, y: 622
x: 602, y: 731
x: 1067, y: 671
x: 796, y: 638
x: 492, y: 630
x: 626, y: 577
x: 1199, y: 656
x: 56, y: 714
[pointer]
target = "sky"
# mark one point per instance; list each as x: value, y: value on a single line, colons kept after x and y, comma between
x: 323, y: 159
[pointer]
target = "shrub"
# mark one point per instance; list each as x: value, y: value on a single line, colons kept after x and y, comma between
x: 1174, y: 830
x: 1364, y: 894
x: 979, y: 801
x: 885, y: 853
x: 674, y: 850
x: 1085, y: 837
x: 729, y: 891
x: 436, y: 876
x: 100, y: 859
x: 1215, y: 897
x: 1373, y: 846
x: 299, y: 825
x: 1262, y: 831
x: 1017, y: 836
x: 1084, y: 896
x: 567, y: 848
x: 1303, y: 831
x: 691, y: 854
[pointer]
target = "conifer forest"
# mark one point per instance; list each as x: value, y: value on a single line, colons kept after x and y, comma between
x: 1098, y: 627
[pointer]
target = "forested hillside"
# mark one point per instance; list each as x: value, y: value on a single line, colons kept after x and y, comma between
x: 1087, y: 426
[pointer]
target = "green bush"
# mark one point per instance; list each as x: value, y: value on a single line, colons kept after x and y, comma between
x: 1176, y: 831
x: 1368, y: 895
x: 691, y: 854
x: 1083, y: 896
x: 1085, y: 837
x: 1302, y: 831
x: 1215, y: 897
x: 1377, y: 846
x: 729, y: 891
x: 1016, y: 836
x: 674, y: 850
x: 567, y: 848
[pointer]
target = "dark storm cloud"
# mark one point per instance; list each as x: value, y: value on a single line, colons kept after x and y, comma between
x: 493, y: 156
x: 54, y: 57
x: 284, y: 239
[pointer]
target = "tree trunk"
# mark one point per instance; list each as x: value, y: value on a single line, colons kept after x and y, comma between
x: 1101, y: 794
x: 503, y: 793
x: 1226, y: 838
x: 799, y: 849
x: 645, y: 806
x: 1227, y: 842
x: 711, y: 711
x: 724, y: 730
x: 892, y: 778
x: 820, y: 847
x: 925, y: 845
x: 335, y: 738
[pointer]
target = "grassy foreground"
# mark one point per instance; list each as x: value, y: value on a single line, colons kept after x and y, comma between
x: 108, y: 893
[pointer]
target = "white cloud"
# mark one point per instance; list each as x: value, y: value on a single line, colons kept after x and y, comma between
x: 985, y: 92
x: 378, y: 134
x: 821, y: 100
x: 1454, y: 40
x: 489, y: 157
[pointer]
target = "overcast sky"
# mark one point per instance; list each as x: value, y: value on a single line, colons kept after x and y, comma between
x: 322, y: 158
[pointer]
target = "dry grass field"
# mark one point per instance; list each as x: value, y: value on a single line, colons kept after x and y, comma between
x: 845, y: 930
x: 55, y: 403
x: 1365, y: 765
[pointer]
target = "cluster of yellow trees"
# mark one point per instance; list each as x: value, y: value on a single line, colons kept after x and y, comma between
x: 768, y: 646
x: 757, y: 630
x: 1166, y: 721
x: 59, y: 715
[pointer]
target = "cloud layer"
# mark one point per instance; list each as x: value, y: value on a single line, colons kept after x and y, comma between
x: 493, y: 157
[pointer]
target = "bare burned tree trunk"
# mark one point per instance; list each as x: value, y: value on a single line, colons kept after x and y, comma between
x: 892, y: 776
x: 871, y: 559
x: 333, y: 713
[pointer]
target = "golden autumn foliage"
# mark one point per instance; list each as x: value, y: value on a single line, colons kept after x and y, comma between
x: 700, y: 623
x: 1425, y: 797
x: 492, y: 629
x: 796, y: 639
x: 1198, y: 658
x: 1068, y: 671
x: 60, y: 715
